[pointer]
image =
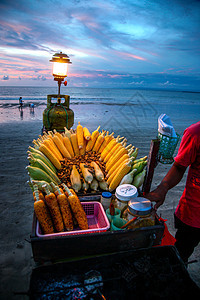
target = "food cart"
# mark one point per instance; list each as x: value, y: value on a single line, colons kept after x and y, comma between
x: 99, y: 262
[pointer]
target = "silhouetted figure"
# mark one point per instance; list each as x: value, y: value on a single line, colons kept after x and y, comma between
x: 31, y: 106
x: 20, y: 103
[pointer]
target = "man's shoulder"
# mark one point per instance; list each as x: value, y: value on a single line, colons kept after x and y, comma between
x: 194, y: 129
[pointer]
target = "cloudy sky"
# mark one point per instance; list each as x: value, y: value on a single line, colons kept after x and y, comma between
x: 111, y: 43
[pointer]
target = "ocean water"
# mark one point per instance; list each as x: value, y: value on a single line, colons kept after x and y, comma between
x: 127, y: 107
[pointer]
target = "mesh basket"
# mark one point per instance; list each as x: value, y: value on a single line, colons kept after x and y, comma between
x: 167, y: 148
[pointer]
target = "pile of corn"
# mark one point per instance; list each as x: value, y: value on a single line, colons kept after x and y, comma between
x: 58, y: 209
x: 85, y: 161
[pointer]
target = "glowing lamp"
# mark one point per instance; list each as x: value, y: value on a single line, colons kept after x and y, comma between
x: 60, y: 67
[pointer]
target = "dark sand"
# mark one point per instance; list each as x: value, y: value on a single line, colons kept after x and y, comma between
x: 16, y: 213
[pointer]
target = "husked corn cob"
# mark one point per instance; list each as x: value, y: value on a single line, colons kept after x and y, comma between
x: 109, y: 147
x: 58, y: 135
x: 107, y: 139
x: 83, y: 150
x: 76, y: 208
x: 42, y: 214
x: 75, y: 144
x: 119, y: 175
x: 52, y: 203
x: 92, y: 140
x: 98, y: 142
x: 112, y: 152
x: 86, y: 134
x: 110, y: 178
x: 79, y: 133
x: 59, y: 143
x: 86, y: 173
x: 68, y: 145
x: 67, y: 133
x: 75, y: 179
x: 98, y: 172
x: 50, y: 156
x: 49, y: 143
x: 65, y: 209
x: 117, y: 155
x: 117, y: 164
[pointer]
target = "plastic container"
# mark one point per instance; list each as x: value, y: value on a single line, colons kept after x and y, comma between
x: 124, y: 193
x: 140, y: 212
x: 106, y: 199
x: 117, y: 223
x: 116, y: 215
x: 167, y: 147
x: 97, y: 221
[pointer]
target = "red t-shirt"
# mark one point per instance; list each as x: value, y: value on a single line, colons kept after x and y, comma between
x: 188, y: 209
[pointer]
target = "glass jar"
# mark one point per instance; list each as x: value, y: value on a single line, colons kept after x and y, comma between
x: 140, y: 213
x: 124, y: 193
x: 106, y: 199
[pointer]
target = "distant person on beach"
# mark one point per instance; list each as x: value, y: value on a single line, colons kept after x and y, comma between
x: 20, y: 103
x: 187, y: 213
x: 31, y: 106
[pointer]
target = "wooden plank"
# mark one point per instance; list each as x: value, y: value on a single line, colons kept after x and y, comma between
x: 151, y: 164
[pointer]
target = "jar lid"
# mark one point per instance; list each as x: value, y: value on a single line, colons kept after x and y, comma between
x: 140, y: 206
x: 106, y: 194
x: 126, y: 192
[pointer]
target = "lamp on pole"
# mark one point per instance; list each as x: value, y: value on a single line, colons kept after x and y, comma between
x: 60, y: 67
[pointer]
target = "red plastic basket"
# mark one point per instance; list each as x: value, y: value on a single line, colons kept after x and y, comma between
x: 97, y: 221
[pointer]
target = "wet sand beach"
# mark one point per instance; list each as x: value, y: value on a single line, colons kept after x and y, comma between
x: 16, y: 213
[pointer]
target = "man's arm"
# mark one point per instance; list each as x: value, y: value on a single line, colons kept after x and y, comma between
x: 173, y: 177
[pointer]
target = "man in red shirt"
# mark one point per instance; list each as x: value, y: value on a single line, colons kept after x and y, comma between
x: 187, y: 214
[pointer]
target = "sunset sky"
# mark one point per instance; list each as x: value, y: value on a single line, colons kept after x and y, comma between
x: 111, y: 43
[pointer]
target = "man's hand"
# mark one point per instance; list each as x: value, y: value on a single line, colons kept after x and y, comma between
x: 158, y: 195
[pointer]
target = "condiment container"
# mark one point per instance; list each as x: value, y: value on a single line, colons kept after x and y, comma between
x: 106, y: 199
x: 124, y: 193
x: 140, y: 212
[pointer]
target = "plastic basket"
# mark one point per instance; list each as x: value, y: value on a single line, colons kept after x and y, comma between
x: 167, y: 148
x: 97, y: 221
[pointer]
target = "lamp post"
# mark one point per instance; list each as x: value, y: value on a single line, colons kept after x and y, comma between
x: 58, y: 115
x: 60, y: 67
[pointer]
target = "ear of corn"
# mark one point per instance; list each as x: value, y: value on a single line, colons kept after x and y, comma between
x: 42, y: 214
x: 40, y: 164
x: 128, y: 178
x: 44, y: 159
x: 107, y: 139
x: 135, y: 153
x: 79, y: 133
x: 107, y: 149
x: 86, y: 173
x: 65, y: 209
x: 53, y: 148
x: 67, y: 133
x: 110, y: 178
x: 92, y: 140
x: 50, y: 156
x: 98, y: 172
x: 75, y: 179
x: 76, y: 208
x: 52, y: 204
x: 94, y: 185
x: 99, y: 142
x: 113, y: 151
x: 58, y: 135
x: 38, y: 152
x: 118, y: 163
x: 83, y: 150
x: 38, y: 174
x: 119, y: 175
x: 139, y: 179
x: 86, y: 134
x: 55, y: 189
x: 68, y: 146
x: 120, y: 152
x: 140, y: 159
x: 43, y: 217
x: 103, y: 185
x: 75, y: 144
x: 139, y: 166
x: 61, y: 146
x: 85, y: 185
x: 40, y: 183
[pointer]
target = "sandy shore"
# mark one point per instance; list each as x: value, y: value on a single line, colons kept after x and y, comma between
x: 16, y: 213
